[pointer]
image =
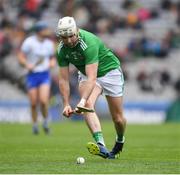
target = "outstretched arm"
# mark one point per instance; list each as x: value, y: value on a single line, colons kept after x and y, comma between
x: 88, y: 86
x: 65, y: 89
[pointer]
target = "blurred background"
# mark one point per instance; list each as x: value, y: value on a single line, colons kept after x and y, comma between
x: 145, y: 35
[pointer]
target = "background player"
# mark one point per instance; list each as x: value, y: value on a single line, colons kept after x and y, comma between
x: 99, y: 72
x: 37, y: 56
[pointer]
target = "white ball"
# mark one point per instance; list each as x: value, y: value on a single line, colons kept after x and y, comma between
x: 80, y: 160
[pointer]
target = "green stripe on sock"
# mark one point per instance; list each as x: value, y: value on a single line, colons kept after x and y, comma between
x: 98, y: 137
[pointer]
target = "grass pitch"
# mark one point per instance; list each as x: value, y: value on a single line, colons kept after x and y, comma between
x: 148, y: 149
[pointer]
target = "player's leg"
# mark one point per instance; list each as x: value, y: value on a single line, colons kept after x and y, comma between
x: 116, y: 110
x: 93, y: 124
x: 91, y: 119
x: 44, y: 92
x: 113, y: 87
x: 33, y: 97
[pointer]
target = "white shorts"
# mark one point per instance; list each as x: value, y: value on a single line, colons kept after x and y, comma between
x: 112, y: 84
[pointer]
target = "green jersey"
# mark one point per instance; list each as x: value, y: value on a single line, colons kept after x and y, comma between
x: 89, y: 49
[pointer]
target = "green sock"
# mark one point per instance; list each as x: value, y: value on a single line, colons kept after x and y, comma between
x: 98, y: 137
x: 120, y: 138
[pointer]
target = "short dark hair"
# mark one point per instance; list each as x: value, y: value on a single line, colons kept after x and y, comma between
x: 41, y: 25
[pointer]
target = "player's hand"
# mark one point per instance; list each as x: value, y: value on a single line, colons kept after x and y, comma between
x: 82, y: 103
x: 52, y: 63
x: 29, y: 67
x: 77, y: 111
x: 67, y: 111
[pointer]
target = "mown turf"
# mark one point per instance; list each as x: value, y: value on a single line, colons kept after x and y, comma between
x: 149, y: 149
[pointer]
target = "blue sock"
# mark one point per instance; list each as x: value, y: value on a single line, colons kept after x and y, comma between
x: 35, y: 126
x: 45, y: 123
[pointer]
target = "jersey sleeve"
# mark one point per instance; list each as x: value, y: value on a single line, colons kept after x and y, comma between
x: 62, y: 62
x: 26, y: 46
x: 91, y: 54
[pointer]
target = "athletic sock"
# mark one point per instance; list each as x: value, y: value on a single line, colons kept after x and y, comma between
x: 98, y: 137
x: 45, y: 123
x: 120, y: 138
x: 35, y: 126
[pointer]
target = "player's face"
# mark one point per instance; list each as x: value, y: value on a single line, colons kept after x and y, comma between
x: 70, y: 41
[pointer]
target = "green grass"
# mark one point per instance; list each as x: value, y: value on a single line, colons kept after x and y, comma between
x: 148, y: 149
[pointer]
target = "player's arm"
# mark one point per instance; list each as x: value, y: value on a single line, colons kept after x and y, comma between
x: 64, y: 84
x: 21, y: 54
x: 91, y: 68
x: 23, y: 61
x: 63, y: 77
x: 21, y: 58
x: 65, y: 90
x: 88, y: 86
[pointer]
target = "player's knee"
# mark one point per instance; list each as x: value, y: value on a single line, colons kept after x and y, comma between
x: 44, y: 103
x: 33, y: 105
x: 119, y: 118
x: 34, y: 102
